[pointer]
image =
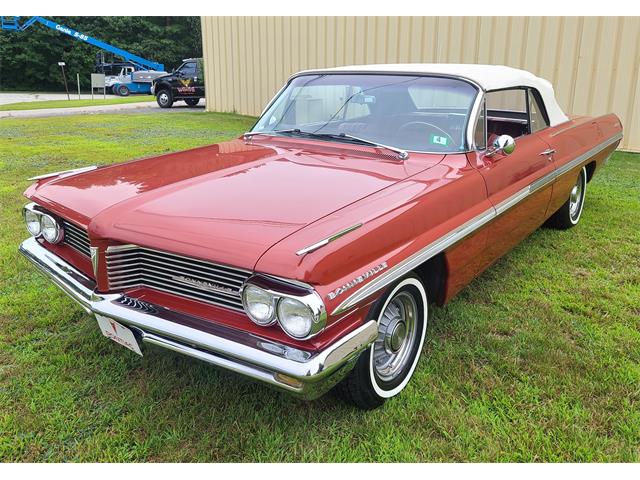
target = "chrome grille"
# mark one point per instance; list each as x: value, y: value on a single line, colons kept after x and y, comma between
x: 131, y: 266
x: 76, y: 238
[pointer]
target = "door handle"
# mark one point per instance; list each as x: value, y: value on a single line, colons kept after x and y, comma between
x: 548, y: 152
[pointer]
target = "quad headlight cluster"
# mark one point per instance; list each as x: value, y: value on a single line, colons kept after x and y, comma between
x: 40, y: 223
x: 298, y: 310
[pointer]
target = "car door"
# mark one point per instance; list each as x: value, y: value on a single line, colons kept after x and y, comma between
x: 515, y: 182
x: 182, y: 82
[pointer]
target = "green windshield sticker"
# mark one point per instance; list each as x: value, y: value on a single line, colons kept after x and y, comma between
x: 439, y: 140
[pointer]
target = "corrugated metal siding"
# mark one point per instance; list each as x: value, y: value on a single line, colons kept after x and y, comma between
x: 592, y: 62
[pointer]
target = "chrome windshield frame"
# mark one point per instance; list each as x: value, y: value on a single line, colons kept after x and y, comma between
x: 471, y: 117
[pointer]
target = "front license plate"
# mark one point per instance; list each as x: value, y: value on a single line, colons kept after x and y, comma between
x: 118, y: 333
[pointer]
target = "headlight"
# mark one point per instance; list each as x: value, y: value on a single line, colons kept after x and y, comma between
x: 32, y: 219
x: 51, y: 229
x: 295, y: 318
x: 296, y: 307
x: 259, y: 305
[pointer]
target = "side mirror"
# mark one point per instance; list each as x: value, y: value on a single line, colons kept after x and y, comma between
x: 504, y: 144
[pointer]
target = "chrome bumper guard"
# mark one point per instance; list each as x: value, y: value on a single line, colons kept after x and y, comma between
x: 302, y: 373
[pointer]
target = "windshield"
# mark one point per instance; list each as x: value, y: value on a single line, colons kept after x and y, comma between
x: 415, y: 113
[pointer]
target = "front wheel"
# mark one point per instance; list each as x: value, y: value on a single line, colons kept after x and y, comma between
x: 386, y: 367
x: 568, y: 215
x: 164, y: 99
x: 123, y: 91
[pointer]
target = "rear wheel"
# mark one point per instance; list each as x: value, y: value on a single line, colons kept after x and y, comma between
x: 384, y: 369
x: 569, y: 214
x: 192, y: 102
x: 164, y: 99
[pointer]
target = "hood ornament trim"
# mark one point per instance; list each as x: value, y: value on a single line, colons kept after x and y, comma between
x: 325, y: 241
x: 64, y: 173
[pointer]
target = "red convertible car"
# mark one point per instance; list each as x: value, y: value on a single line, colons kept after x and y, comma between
x: 305, y: 254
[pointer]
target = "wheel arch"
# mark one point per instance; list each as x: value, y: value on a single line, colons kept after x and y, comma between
x: 433, y: 274
x: 162, y: 86
x: 591, y: 169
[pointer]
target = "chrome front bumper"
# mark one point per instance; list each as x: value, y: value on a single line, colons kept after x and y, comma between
x: 304, y: 374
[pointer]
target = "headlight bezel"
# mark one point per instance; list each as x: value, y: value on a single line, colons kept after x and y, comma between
x: 41, y: 214
x: 271, y: 319
x: 59, y: 230
x: 32, y: 210
x: 281, y: 289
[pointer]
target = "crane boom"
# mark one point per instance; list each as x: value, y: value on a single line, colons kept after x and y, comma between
x: 12, y: 23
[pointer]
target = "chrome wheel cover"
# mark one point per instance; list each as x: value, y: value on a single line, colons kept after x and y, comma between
x: 397, y: 330
x: 576, y: 198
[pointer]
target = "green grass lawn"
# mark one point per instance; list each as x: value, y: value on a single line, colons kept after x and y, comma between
x: 537, y: 360
x: 98, y: 101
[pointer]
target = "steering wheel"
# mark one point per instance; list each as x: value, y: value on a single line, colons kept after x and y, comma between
x: 408, y: 125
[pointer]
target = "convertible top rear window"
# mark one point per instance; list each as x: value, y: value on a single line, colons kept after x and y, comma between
x: 416, y: 113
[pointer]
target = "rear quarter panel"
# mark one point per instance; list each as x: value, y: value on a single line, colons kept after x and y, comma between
x: 579, y: 136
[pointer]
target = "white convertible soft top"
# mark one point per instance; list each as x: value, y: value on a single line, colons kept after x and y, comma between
x: 488, y: 77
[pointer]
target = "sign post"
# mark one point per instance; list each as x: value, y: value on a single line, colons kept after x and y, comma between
x: 64, y: 77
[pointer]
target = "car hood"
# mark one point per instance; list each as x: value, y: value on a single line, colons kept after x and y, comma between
x: 228, y: 202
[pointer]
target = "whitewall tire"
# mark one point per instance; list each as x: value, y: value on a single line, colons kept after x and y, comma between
x: 384, y: 369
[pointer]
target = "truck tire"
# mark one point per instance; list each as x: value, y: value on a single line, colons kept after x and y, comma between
x: 123, y: 91
x: 384, y: 369
x: 192, y: 102
x: 164, y: 98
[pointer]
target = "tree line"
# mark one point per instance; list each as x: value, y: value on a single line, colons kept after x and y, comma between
x: 29, y: 59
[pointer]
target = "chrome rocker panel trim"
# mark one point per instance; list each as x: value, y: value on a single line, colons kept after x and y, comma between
x: 465, y: 230
x: 299, y: 372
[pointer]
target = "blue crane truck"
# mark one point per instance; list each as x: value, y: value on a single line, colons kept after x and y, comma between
x: 136, y: 74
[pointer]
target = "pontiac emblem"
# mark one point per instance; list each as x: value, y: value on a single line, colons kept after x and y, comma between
x: 358, y: 280
x: 204, y: 285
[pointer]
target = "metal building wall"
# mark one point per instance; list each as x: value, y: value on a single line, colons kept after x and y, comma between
x: 592, y: 62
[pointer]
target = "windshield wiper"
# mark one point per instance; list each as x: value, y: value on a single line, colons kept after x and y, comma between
x: 402, y: 154
x: 271, y: 133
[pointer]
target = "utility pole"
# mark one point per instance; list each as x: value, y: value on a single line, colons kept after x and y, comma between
x: 66, y: 87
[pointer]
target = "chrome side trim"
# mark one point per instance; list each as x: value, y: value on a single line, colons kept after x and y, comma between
x: 65, y: 173
x: 464, y: 230
x: 327, y: 240
x: 416, y: 259
x: 512, y: 201
x: 552, y: 176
